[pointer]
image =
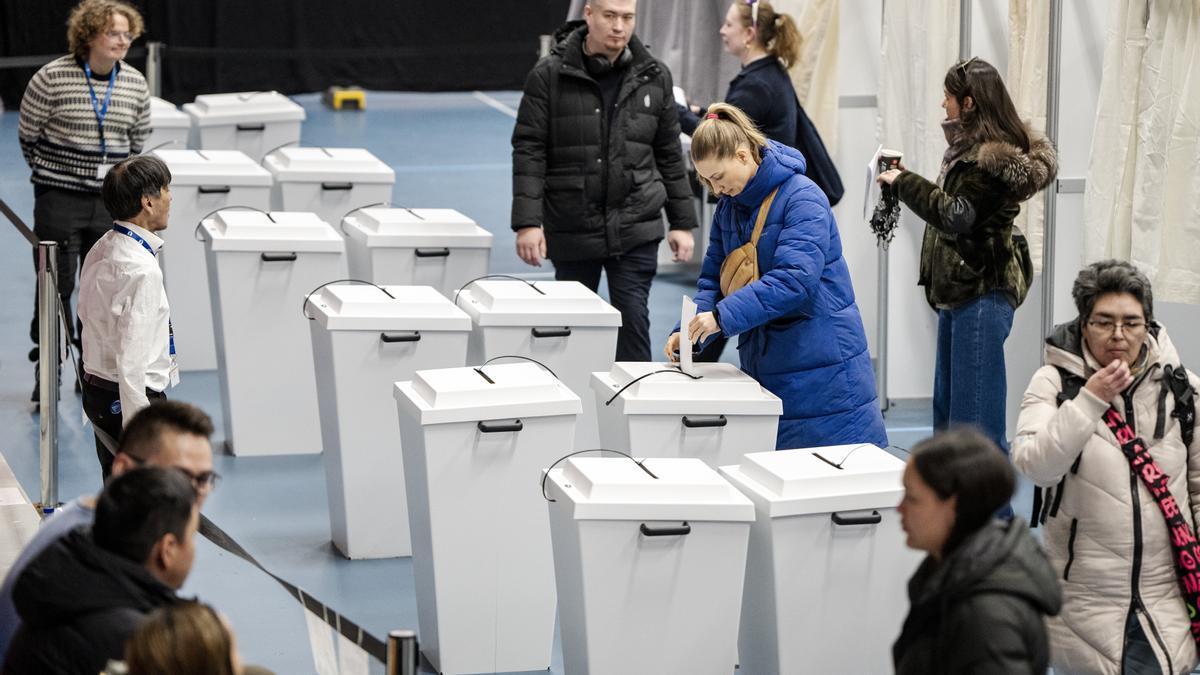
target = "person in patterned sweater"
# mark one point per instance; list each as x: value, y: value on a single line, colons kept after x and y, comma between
x: 81, y: 114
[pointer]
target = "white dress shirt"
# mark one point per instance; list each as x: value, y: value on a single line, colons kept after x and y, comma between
x: 125, y: 315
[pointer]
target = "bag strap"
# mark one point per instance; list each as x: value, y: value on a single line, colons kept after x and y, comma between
x: 1046, y: 501
x: 762, y: 217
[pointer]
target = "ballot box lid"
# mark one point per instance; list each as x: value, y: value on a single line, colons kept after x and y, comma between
x: 364, y: 307
x: 513, y: 302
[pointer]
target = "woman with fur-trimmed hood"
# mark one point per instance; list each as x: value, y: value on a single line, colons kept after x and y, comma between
x: 975, y: 263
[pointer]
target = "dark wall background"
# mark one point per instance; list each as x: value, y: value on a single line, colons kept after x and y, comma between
x: 307, y: 45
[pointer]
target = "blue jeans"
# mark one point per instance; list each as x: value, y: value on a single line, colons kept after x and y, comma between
x: 969, y: 385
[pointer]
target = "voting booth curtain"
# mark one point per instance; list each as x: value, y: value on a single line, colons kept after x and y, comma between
x: 307, y: 45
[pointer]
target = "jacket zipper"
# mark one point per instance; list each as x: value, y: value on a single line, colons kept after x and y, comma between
x: 1071, y: 549
x: 1135, y: 576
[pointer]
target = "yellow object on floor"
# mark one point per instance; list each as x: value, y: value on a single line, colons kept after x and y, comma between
x: 345, y: 98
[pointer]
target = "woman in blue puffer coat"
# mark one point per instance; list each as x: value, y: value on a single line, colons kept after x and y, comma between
x: 799, y: 330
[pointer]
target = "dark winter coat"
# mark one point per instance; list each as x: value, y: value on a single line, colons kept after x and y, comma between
x: 595, y: 203
x: 78, y: 605
x: 763, y: 90
x: 800, y: 332
x: 971, y: 246
x: 981, y: 611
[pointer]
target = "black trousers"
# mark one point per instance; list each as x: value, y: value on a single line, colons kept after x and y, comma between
x: 102, y: 403
x: 76, y: 220
x: 629, y: 276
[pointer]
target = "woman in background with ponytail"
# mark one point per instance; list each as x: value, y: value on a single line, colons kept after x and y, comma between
x: 800, y: 332
x: 768, y: 44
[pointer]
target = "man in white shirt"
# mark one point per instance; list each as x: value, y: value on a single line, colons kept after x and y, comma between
x: 128, y: 344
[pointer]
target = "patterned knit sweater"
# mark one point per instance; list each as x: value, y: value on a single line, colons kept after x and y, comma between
x: 59, y: 135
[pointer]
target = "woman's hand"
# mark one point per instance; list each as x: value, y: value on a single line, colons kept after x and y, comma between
x: 1110, y: 380
x: 888, y: 177
x: 672, y: 347
x: 702, y: 326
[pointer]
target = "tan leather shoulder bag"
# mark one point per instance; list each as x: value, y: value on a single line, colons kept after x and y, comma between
x: 741, y: 265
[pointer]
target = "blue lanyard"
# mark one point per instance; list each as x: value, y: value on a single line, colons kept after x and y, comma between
x: 117, y: 227
x: 101, y: 110
x: 121, y: 229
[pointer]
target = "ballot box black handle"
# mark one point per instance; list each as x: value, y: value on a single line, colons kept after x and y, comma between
x: 704, y: 422
x: 873, y: 519
x: 668, y: 531
x: 214, y: 189
x: 413, y: 336
x: 278, y: 257
x: 565, y: 331
x: 252, y: 127
x: 332, y: 185
x: 500, y: 427
x: 432, y: 252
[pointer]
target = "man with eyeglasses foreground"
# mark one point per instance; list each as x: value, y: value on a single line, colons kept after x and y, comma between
x: 165, y: 434
x: 80, y: 115
x: 1107, y: 432
x: 86, y: 594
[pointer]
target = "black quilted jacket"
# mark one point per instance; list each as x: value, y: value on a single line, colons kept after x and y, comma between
x: 594, y: 204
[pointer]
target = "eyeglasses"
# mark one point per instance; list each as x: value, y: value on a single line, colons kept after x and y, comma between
x: 203, y: 481
x: 116, y: 35
x: 1109, y: 327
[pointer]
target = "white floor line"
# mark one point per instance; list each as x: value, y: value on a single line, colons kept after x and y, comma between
x: 491, y: 102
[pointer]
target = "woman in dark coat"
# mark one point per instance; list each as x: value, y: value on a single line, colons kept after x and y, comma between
x: 975, y: 263
x: 979, y: 600
x: 800, y: 334
x: 768, y: 44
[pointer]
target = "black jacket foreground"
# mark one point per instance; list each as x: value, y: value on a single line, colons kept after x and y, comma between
x: 78, y: 605
x: 595, y: 203
x: 982, y: 610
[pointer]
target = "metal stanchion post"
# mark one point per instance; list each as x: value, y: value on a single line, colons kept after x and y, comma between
x: 545, y: 43
x: 402, y: 654
x: 1053, y: 71
x: 881, y: 346
x: 48, y: 364
x: 964, y: 29
x: 154, y: 52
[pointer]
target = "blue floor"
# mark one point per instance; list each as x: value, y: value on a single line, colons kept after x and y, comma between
x: 448, y: 150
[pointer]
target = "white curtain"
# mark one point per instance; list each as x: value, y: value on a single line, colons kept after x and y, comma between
x: 815, y: 77
x: 920, y: 43
x: 1028, y: 51
x: 1142, y: 201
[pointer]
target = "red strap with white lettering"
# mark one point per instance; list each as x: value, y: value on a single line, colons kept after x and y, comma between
x: 1185, y: 547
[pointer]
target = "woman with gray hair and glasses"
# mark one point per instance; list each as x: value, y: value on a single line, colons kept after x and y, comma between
x: 1107, y: 433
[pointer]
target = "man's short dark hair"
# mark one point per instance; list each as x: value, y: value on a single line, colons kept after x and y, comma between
x: 143, y: 437
x: 138, y: 507
x: 1111, y: 276
x: 126, y: 183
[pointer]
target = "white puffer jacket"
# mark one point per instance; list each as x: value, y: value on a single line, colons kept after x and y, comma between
x: 1108, y: 542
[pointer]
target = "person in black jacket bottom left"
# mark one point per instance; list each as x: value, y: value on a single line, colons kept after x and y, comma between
x: 83, y: 597
x: 979, y: 600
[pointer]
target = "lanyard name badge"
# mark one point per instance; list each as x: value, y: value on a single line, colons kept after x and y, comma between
x: 101, y: 110
x: 174, y: 371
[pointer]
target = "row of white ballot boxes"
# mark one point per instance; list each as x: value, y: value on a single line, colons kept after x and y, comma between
x: 438, y: 247
x: 655, y: 566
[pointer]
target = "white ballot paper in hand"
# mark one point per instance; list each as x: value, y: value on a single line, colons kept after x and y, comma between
x: 685, y: 346
x: 680, y: 95
x: 871, y: 195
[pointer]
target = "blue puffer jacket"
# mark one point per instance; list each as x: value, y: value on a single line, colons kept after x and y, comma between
x: 800, y: 333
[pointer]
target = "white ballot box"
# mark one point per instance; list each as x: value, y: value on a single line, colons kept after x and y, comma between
x: 561, y: 324
x: 717, y: 417
x: 202, y: 183
x: 169, y: 126
x: 364, y: 340
x: 255, y: 122
x: 428, y: 247
x: 474, y: 441
x: 650, y: 562
x: 260, y: 268
x: 330, y: 182
x: 827, y: 576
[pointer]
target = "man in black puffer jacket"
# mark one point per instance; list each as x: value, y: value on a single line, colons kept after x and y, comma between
x: 596, y: 157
